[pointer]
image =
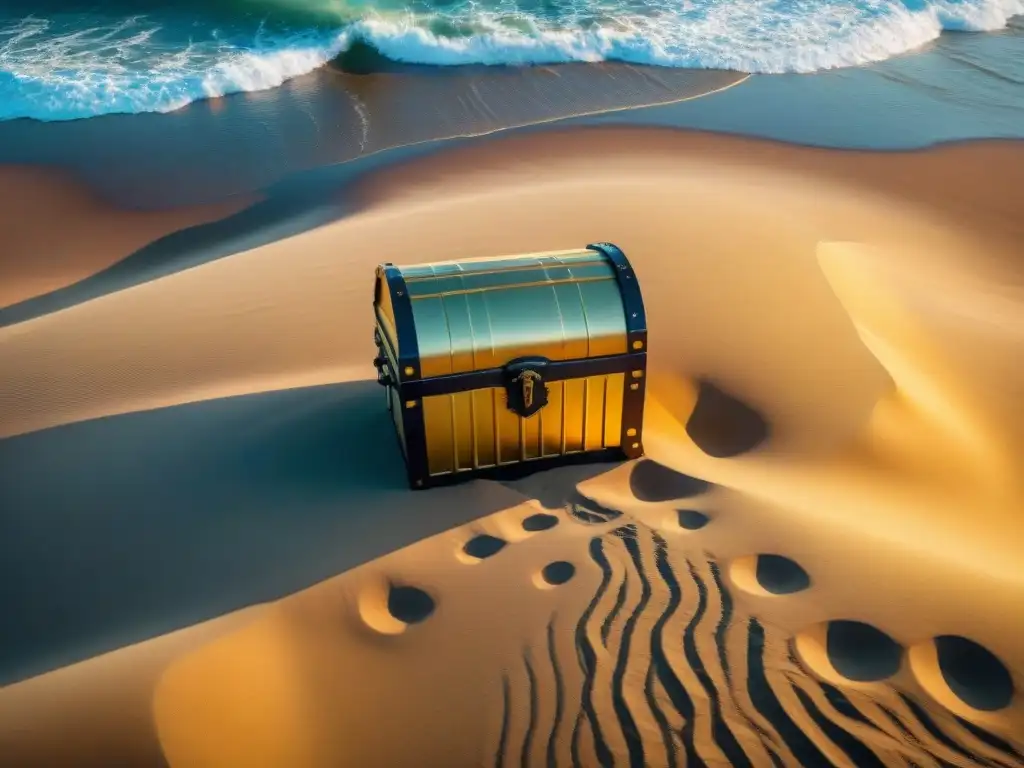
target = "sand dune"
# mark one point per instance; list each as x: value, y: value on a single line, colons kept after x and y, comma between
x: 279, y: 315
x: 818, y: 564
x: 57, y: 232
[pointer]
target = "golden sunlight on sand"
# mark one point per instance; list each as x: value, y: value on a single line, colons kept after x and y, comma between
x: 818, y: 563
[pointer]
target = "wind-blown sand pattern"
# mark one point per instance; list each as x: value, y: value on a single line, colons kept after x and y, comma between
x: 650, y: 661
x: 707, y: 683
x: 817, y: 564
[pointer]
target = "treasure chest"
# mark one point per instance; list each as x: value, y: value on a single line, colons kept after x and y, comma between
x: 505, y: 365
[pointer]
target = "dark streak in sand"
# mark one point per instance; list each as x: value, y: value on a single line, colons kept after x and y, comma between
x: 531, y: 724
x: 588, y: 660
x: 861, y: 756
x: 559, y: 696
x: 506, y: 696
x: 761, y: 682
x: 719, y: 727
x: 634, y: 744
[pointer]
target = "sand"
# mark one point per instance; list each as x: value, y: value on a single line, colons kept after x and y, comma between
x: 58, y: 232
x: 852, y: 327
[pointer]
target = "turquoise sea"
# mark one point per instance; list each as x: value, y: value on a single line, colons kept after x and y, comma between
x: 62, y: 60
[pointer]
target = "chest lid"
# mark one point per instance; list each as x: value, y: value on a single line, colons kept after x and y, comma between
x: 477, y: 314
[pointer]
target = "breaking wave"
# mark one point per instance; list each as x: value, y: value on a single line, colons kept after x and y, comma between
x: 61, y: 66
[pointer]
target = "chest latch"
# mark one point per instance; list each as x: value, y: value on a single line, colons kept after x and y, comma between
x: 526, y: 390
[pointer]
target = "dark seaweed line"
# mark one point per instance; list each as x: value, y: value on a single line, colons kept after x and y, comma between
x: 588, y: 662
x: 559, y: 695
x: 634, y: 744
x: 531, y: 724
x: 723, y: 734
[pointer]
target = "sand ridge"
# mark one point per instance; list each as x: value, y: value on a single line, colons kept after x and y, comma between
x: 57, y: 231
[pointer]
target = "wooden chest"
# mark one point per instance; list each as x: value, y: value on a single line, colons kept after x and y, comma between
x: 498, y: 365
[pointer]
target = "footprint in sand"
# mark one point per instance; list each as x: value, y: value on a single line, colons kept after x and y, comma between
x: 844, y: 651
x: 483, y: 546
x: 653, y: 482
x: 962, y: 675
x: 691, y: 519
x: 390, y: 608
x: 723, y: 426
x: 557, y: 573
x: 768, y: 575
x: 539, y: 522
x: 409, y: 605
x: 780, y: 575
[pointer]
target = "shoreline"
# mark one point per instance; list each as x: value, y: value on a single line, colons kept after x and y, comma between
x: 362, y: 58
x: 249, y: 143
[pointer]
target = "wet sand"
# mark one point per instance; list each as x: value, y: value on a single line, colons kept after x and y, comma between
x: 818, y: 561
x: 254, y: 142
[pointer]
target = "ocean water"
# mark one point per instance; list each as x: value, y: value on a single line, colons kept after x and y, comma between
x: 62, y: 60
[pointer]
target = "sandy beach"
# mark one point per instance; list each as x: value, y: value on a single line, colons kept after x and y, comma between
x: 818, y: 562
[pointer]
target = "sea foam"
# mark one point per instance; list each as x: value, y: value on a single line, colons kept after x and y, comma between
x: 81, y: 66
